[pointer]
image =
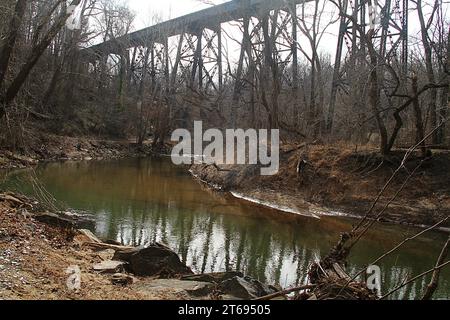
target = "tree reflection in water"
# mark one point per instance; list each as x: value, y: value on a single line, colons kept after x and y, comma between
x: 140, y: 201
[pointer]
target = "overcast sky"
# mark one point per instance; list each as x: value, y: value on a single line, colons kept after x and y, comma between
x: 166, y: 9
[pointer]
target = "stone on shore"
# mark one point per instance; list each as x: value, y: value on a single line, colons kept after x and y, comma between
x: 245, y: 288
x: 109, y: 266
x: 105, y: 255
x: 122, y: 279
x: 191, y: 288
x: 54, y: 220
x: 64, y: 220
x: 154, y: 260
x: 85, y: 235
x: 214, y: 277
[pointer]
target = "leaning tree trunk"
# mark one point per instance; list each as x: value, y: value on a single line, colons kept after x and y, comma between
x: 14, y: 26
x: 36, y: 53
x: 6, y: 50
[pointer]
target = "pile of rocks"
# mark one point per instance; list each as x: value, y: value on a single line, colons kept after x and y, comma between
x: 156, y: 268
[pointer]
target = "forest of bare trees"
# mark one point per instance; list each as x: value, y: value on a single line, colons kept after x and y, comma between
x: 282, y: 76
x: 359, y: 90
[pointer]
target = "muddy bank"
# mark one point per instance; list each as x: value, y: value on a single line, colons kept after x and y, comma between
x: 317, y: 180
x: 44, y: 256
x: 62, y: 148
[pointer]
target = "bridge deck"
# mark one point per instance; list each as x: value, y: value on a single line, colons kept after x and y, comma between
x: 208, y: 18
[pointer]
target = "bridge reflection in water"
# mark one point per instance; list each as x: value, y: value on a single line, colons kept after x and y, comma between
x: 139, y: 201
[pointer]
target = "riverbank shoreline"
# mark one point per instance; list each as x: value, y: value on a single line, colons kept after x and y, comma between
x: 166, y: 286
x: 313, y: 180
x: 51, y: 148
x: 319, y: 181
x: 46, y: 256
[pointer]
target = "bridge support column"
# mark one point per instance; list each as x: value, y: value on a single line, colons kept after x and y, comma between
x: 197, y: 66
x: 144, y: 72
x: 219, y: 56
x: 166, y: 64
x: 152, y: 63
x: 238, y: 78
x: 173, y: 78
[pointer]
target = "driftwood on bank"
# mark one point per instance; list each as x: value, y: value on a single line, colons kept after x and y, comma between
x: 104, y: 246
x: 333, y: 283
x: 10, y: 198
x: 285, y: 292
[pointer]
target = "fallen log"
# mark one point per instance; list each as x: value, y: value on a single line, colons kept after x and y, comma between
x: 10, y: 198
x: 285, y: 292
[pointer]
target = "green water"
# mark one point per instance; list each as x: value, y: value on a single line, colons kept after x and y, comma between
x: 138, y: 201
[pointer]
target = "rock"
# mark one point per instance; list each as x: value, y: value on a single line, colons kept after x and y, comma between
x: 54, y: 220
x: 109, y: 266
x: 122, y: 279
x: 113, y: 242
x: 229, y: 297
x: 85, y: 235
x: 81, y: 220
x: 215, y: 277
x: 64, y: 220
x: 125, y: 255
x: 192, y: 288
x: 153, y: 260
x: 245, y: 288
x: 107, y: 254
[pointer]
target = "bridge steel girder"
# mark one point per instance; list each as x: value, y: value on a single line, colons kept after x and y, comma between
x: 207, y: 18
x: 150, y: 61
x: 283, y: 27
x: 201, y: 58
x: 205, y: 72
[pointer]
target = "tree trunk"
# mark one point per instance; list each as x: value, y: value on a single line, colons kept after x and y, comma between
x: 6, y: 50
x: 14, y: 27
x: 374, y: 97
x: 33, y: 58
x: 420, y: 134
x: 430, y: 73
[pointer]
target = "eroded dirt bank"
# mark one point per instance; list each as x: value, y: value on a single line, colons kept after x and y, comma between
x: 318, y: 180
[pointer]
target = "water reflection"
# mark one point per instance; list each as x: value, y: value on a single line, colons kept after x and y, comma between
x: 140, y: 201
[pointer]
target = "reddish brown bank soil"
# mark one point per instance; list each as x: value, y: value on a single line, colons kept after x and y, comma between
x: 344, y: 180
x: 34, y: 258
